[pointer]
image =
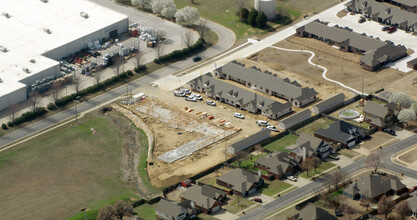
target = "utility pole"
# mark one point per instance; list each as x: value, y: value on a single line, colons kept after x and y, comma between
x: 225, y: 153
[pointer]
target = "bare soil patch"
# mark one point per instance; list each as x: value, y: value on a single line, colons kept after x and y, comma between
x: 342, y: 66
x: 378, y: 139
x: 405, y: 85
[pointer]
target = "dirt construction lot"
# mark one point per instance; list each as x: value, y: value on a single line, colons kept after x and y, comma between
x: 342, y: 66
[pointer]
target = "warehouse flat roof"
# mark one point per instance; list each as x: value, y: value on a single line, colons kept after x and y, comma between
x: 23, y: 24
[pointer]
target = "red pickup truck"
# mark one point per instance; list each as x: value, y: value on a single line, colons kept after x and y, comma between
x: 391, y: 29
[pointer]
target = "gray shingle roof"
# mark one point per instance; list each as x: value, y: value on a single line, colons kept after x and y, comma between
x: 295, y: 119
x: 409, y: 3
x: 311, y: 212
x: 376, y: 109
x: 314, y: 142
x: 203, y: 196
x: 329, y: 103
x: 267, y: 80
x: 251, y: 140
x: 340, y: 131
x: 412, y: 62
x: 169, y: 208
x: 372, y: 185
x: 241, y: 180
x: 278, y: 162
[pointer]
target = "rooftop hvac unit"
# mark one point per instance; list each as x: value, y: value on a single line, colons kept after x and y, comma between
x: 32, y: 60
x: 47, y: 30
x: 26, y: 70
x: 44, y: 1
x: 7, y: 15
x: 3, y: 49
x: 83, y: 14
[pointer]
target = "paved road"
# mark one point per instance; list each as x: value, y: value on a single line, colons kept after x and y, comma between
x: 299, y: 193
x: 226, y: 40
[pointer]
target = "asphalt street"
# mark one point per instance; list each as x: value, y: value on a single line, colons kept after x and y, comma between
x: 226, y: 40
x: 299, y: 193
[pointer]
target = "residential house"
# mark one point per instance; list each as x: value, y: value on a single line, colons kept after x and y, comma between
x: 166, y: 210
x: 249, y: 141
x: 206, y: 199
x: 376, y: 53
x: 408, y: 5
x: 412, y: 203
x: 374, y: 186
x: 380, y: 116
x: 295, y: 119
x: 239, y: 97
x: 329, y: 104
x: 267, y: 83
x: 412, y: 64
x: 341, y: 133
x: 386, y: 14
x: 312, y: 212
x: 242, y: 182
x: 278, y: 164
x: 309, y: 146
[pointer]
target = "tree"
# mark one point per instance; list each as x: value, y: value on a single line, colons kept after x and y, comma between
x: 365, y: 202
x: 316, y: 162
x: 143, y: 4
x: 240, y: 157
x: 35, y: 98
x: 138, y: 58
x: 55, y: 89
x: 385, y: 205
x: 202, y: 28
x: 253, y: 14
x: 76, y: 83
x: 12, y: 112
x: 239, y: 5
x: 282, y: 12
x: 414, y: 107
x: 122, y: 209
x: 403, y: 209
x: 98, y: 74
x: 188, y: 15
x: 307, y: 165
x: 244, y: 14
x: 169, y: 12
x: 187, y: 38
x: 406, y: 115
x: 159, y: 50
x: 118, y: 65
x: 261, y: 20
x: 328, y: 182
x: 375, y: 160
x: 349, y: 211
x: 159, y: 5
x: 402, y: 99
x: 106, y: 213
x: 338, y: 177
x: 160, y: 34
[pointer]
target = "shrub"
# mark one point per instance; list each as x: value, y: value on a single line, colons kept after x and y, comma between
x: 10, y: 124
x: 178, y: 54
x: 244, y: 14
x: 129, y: 72
x: 261, y: 20
x: 4, y: 126
x: 253, y: 14
x: 141, y: 68
x: 51, y: 106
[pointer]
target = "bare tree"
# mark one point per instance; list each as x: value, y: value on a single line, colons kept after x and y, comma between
x: 122, y: 209
x: 106, y: 213
x: 307, y: 164
x: 365, y: 202
x: 240, y: 157
x: 403, y: 210
x: 375, y: 160
x: 338, y: 177
x: 349, y: 211
x: 98, y: 74
x: 159, y: 50
x: 55, y: 89
x: 76, y: 83
x: 239, y: 5
x: 385, y: 205
x: 118, y: 66
x: 328, y: 182
x: 138, y: 58
x: 12, y: 112
x: 316, y: 162
x: 202, y: 28
x: 35, y: 98
x: 187, y: 38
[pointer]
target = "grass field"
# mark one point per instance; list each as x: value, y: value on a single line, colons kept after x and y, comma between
x: 323, y: 167
x: 56, y: 174
x: 146, y: 211
x: 272, y: 188
x: 248, y: 164
x: 314, y: 126
x: 282, y: 143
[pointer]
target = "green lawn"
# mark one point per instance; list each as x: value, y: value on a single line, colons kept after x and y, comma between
x: 323, y: 167
x: 237, y: 204
x: 146, y: 211
x: 271, y: 188
x: 315, y: 125
x: 223, y: 12
x: 282, y: 143
x: 248, y: 164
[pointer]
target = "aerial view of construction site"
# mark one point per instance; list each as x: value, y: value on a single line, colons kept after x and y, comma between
x: 220, y: 109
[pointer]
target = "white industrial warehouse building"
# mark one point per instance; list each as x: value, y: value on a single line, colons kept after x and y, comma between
x: 36, y: 33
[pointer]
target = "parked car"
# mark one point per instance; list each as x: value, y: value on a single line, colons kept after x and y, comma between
x: 334, y: 157
x: 191, y: 98
x: 197, y: 96
x: 391, y: 29
x: 292, y: 178
x: 238, y: 115
x: 272, y: 128
x: 196, y: 59
x: 384, y: 28
x: 361, y: 20
x: 186, y: 91
x: 414, y: 188
x: 259, y: 200
x: 208, y: 102
x: 262, y: 123
x: 390, y: 131
x: 179, y: 93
